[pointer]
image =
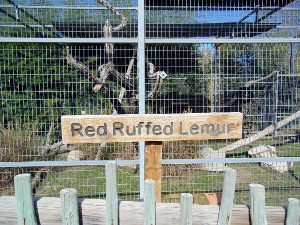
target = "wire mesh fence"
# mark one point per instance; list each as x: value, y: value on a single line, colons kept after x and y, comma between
x: 167, y: 19
x: 40, y: 82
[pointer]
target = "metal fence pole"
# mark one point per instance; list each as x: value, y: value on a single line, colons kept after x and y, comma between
x: 141, y: 79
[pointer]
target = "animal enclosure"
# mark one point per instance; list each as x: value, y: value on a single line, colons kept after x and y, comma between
x: 24, y: 208
x: 98, y: 57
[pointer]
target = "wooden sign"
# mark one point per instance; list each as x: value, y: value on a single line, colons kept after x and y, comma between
x: 150, y: 127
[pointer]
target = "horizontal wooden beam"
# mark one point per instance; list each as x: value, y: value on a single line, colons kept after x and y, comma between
x: 132, y: 213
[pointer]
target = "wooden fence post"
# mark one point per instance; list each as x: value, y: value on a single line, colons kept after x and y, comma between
x: 153, y: 166
x: 149, y: 203
x: 257, y: 205
x: 227, y: 197
x: 24, y: 200
x: 69, y: 207
x: 112, y: 211
x: 186, y: 209
x: 293, y: 212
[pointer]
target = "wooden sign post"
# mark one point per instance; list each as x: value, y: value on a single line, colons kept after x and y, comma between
x: 153, y: 129
x: 153, y: 166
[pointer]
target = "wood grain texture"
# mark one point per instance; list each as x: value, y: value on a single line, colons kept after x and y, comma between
x: 153, y: 165
x: 24, y: 200
x: 112, y: 210
x: 151, y: 127
x: 149, y: 207
x: 186, y: 207
x: 257, y: 205
x: 92, y: 212
x: 69, y: 207
x: 227, y: 197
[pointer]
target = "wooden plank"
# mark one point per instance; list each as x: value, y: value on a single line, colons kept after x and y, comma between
x: 153, y: 166
x: 24, y: 200
x: 149, y: 207
x: 112, y: 211
x: 132, y: 213
x: 150, y: 127
x: 293, y: 212
x: 186, y: 209
x: 69, y: 206
x: 227, y: 197
x: 257, y: 205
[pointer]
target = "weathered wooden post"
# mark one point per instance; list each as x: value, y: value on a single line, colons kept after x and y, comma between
x: 257, y: 205
x: 69, y: 206
x: 24, y: 200
x: 112, y: 211
x: 153, y: 166
x: 186, y: 209
x: 293, y: 212
x: 227, y: 197
x: 153, y: 129
x: 149, y: 203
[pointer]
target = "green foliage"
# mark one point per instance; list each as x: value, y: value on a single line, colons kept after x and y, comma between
x: 37, y: 84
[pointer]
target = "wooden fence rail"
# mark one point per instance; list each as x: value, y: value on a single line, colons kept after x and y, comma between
x: 23, y: 209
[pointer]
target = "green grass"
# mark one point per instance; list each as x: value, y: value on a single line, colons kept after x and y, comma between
x: 90, y: 181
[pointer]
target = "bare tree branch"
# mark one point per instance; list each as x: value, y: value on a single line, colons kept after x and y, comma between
x: 252, y: 82
x: 130, y: 65
x: 151, y: 69
x: 159, y: 76
x: 234, y: 100
x: 105, y: 71
x: 157, y: 87
x: 107, y: 33
x: 116, y: 13
x: 81, y: 67
x: 48, y: 139
x: 107, y: 91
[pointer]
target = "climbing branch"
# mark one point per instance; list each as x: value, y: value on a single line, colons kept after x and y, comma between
x: 133, y: 101
x: 130, y: 65
x: 261, y: 134
x: 159, y: 76
x: 252, y: 82
x: 80, y: 67
x: 245, y: 93
x: 116, y: 13
x: 100, y: 82
x: 107, y: 33
x: 157, y: 86
x: 108, y: 72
